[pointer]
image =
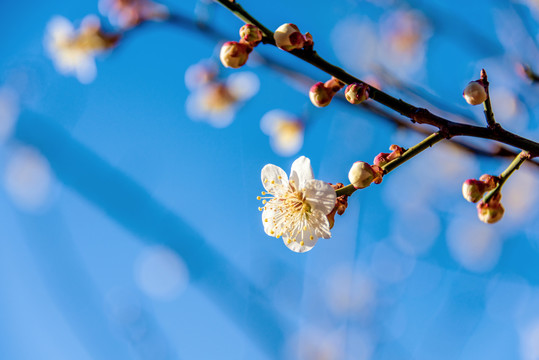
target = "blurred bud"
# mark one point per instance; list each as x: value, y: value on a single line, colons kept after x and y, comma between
x: 475, y: 93
x: 361, y: 175
x: 320, y: 95
x: 288, y: 37
x: 356, y: 93
x: 250, y: 34
x: 234, y: 54
x: 489, y: 181
x: 492, y: 211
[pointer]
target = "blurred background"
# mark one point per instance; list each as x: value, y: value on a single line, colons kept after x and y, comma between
x: 129, y: 226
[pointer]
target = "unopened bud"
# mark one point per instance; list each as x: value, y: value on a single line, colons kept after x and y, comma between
x: 356, y: 93
x: 490, y: 212
x: 475, y: 93
x: 361, y: 175
x: 489, y: 181
x: 473, y: 190
x: 288, y: 37
x: 250, y: 34
x: 234, y: 54
x: 320, y: 95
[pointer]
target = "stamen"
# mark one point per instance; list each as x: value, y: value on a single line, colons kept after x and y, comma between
x: 258, y: 198
x: 311, y: 237
x: 279, y: 177
x: 301, y: 243
x: 264, y: 201
x: 263, y: 193
x: 288, y: 241
x: 260, y: 209
x: 273, y: 181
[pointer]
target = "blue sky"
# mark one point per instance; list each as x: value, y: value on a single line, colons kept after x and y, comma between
x: 130, y: 230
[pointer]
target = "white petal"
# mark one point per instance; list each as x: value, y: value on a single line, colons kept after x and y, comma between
x: 320, y: 224
x: 301, y: 172
x: 296, y: 247
x: 320, y: 195
x: 269, y: 225
x: 273, y: 178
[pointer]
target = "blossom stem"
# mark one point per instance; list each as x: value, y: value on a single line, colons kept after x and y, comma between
x: 489, y: 114
x: 407, y: 155
x: 415, y: 114
x: 515, y: 165
x: 413, y: 151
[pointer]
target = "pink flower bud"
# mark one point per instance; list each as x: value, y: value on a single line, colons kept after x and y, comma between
x: 320, y: 95
x: 361, y: 175
x: 288, y: 37
x: 473, y: 190
x: 356, y: 93
x: 334, y: 85
x: 475, y: 93
x: 250, y: 34
x: 492, y: 211
x: 489, y: 181
x: 234, y: 54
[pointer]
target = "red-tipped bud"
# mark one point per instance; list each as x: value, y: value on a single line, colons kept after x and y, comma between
x: 250, y: 34
x: 288, y: 37
x: 383, y: 158
x: 492, y: 211
x: 475, y: 93
x: 320, y: 95
x: 489, y: 181
x: 361, y: 175
x: 234, y: 54
x: 334, y: 85
x: 356, y: 93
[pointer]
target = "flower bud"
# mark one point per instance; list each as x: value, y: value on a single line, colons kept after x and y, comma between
x: 490, y: 212
x: 475, y: 93
x: 288, y: 37
x: 250, y: 34
x: 473, y: 190
x: 356, y: 93
x: 234, y: 54
x: 361, y: 175
x: 489, y: 181
x: 334, y: 85
x: 320, y: 95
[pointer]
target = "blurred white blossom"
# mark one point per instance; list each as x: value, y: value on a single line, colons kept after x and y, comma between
x: 285, y: 131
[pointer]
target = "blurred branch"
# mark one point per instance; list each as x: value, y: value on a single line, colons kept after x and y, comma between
x: 417, y: 115
x: 132, y: 207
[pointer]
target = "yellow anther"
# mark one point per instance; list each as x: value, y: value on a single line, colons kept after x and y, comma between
x: 301, y: 243
x: 258, y: 198
x: 266, y: 220
x: 272, y: 181
x: 279, y: 177
x: 311, y: 237
x: 288, y: 241
x: 263, y: 193
x: 278, y: 236
x: 272, y: 232
x: 264, y: 201
x: 260, y: 209
x: 265, y: 180
x: 305, y: 228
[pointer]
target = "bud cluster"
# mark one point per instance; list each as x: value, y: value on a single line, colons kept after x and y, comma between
x: 473, y: 189
x: 321, y: 93
x: 234, y: 54
x: 288, y: 37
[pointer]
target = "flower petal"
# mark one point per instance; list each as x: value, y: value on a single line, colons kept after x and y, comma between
x: 320, y: 224
x: 301, y: 172
x: 268, y: 216
x: 273, y: 178
x: 320, y: 195
x: 296, y: 246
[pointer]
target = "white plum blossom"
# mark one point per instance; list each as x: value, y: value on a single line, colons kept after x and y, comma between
x: 297, y: 207
x: 73, y: 51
